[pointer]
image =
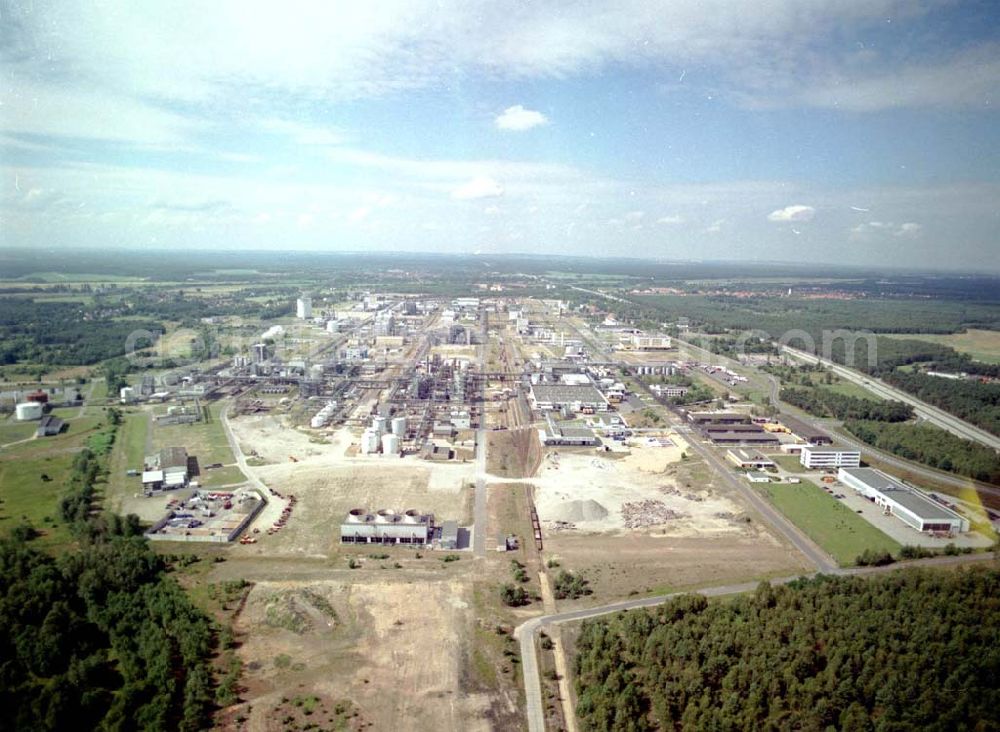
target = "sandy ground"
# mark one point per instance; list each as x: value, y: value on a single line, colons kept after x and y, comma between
x: 594, y: 494
x: 396, y: 649
x: 326, y: 493
x: 619, y: 565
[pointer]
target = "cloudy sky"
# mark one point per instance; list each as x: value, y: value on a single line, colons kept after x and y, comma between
x: 834, y: 131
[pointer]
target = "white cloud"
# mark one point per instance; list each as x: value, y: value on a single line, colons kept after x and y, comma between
x: 796, y: 212
x: 909, y: 229
x: 633, y: 217
x: 518, y: 119
x: 968, y: 79
x: 480, y: 187
x: 675, y: 219
x: 715, y: 227
x: 906, y: 230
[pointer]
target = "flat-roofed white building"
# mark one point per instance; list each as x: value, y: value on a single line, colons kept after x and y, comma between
x: 909, y: 505
x: 387, y: 527
x: 578, y: 398
x: 829, y: 456
x: 747, y: 457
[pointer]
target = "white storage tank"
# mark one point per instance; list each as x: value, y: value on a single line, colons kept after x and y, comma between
x: 127, y: 393
x: 369, y: 442
x: 378, y: 424
x: 390, y: 444
x: 28, y: 411
x: 399, y: 427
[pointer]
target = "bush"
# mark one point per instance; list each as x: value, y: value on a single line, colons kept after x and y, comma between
x: 512, y: 596
x: 915, y: 552
x: 874, y: 558
x: 569, y: 585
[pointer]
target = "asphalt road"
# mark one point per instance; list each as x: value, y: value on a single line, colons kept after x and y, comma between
x: 932, y: 414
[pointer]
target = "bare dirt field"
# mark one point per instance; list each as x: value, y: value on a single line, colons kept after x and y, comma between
x: 585, y: 492
x: 269, y: 439
x: 617, y: 565
x: 650, y: 522
x: 398, y: 651
x: 326, y: 493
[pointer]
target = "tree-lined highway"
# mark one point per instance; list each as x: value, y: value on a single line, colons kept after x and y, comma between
x: 934, y: 415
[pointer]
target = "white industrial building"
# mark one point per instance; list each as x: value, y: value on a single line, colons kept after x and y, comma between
x: 27, y: 411
x: 747, y: 458
x: 304, y: 308
x: 387, y: 527
x: 166, y: 470
x: 909, y: 505
x: 829, y: 456
x: 578, y: 398
x: 641, y: 342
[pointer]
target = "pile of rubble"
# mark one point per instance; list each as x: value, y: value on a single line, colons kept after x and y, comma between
x: 670, y: 490
x: 640, y: 514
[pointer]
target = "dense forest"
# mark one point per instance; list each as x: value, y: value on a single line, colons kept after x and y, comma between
x: 99, y: 638
x: 62, y: 333
x: 931, y: 446
x: 975, y: 402
x: 825, y: 403
x: 914, y: 649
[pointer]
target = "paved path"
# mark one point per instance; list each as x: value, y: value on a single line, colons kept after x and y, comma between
x: 241, y: 459
x: 527, y: 631
x: 479, y: 508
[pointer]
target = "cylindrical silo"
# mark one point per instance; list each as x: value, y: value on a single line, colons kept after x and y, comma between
x: 399, y: 427
x: 390, y: 444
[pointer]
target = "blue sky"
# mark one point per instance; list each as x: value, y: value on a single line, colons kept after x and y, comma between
x: 835, y: 131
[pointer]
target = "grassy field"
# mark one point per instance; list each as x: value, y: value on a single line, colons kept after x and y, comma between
x: 11, y: 431
x: 982, y: 345
x: 127, y: 454
x: 206, y: 440
x: 27, y: 496
x: 790, y: 463
x: 827, y: 521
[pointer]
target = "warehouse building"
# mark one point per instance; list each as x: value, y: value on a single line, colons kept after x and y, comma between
x: 166, y: 470
x: 704, y: 418
x: 829, y: 456
x: 49, y: 426
x: 909, y: 505
x: 387, y: 527
x: 575, y: 397
x: 804, y: 431
x: 570, y: 435
x: 748, y: 458
x: 758, y: 438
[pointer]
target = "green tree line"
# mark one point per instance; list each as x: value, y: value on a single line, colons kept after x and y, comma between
x: 931, y: 446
